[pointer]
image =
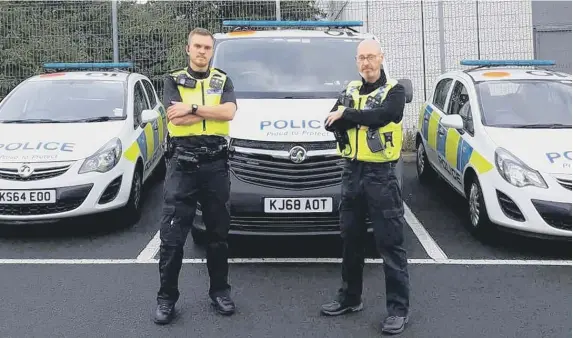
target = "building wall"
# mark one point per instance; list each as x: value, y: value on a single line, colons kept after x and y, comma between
x: 552, y: 32
x: 421, y: 41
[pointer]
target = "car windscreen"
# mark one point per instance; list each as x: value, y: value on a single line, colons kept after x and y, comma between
x: 64, y: 101
x: 275, y: 68
x: 525, y: 103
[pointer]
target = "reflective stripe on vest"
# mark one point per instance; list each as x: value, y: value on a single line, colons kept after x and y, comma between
x: 204, y: 95
x: 391, y: 134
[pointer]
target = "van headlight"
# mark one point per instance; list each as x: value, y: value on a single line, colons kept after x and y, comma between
x: 517, y: 173
x: 105, y: 159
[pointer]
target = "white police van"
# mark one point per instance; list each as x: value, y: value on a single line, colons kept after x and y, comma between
x: 75, y: 143
x: 285, y: 172
x: 500, y: 134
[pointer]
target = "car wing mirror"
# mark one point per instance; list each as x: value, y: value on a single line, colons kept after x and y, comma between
x: 452, y: 121
x: 149, y: 115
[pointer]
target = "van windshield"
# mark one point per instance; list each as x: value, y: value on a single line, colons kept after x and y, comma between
x: 275, y: 68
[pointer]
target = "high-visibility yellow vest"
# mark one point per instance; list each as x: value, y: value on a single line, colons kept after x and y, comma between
x: 390, y: 134
x: 207, y: 92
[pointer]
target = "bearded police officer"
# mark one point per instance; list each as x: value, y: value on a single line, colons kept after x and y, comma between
x: 200, y: 102
x: 367, y: 122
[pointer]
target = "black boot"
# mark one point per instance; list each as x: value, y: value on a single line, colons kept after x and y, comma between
x: 164, y: 313
x: 223, y: 304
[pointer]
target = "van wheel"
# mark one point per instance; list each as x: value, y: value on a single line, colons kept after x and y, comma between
x: 198, y: 236
x: 423, y: 167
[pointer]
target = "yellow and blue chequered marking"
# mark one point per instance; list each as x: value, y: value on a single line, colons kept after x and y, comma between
x: 449, y: 144
x: 148, y: 141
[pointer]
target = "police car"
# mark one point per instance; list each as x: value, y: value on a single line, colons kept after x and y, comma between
x: 285, y: 171
x: 500, y: 134
x: 75, y: 143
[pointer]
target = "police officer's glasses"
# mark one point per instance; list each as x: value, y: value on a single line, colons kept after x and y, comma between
x: 370, y: 58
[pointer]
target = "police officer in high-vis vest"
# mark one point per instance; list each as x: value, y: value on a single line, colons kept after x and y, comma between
x: 367, y: 123
x: 201, y: 102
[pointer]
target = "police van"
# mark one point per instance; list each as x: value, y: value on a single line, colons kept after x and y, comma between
x: 499, y: 133
x: 285, y: 171
x: 75, y: 143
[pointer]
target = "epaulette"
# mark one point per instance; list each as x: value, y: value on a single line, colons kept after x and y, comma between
x: 392, y: 82
x: 355, y: 83
x: 220, y: 70
x: 177, y: 70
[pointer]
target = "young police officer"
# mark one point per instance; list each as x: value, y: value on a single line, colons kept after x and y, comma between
x: 200, y: 103
x: 367, y: 122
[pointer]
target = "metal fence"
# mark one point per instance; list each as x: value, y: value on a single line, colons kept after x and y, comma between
x: 421, y: 39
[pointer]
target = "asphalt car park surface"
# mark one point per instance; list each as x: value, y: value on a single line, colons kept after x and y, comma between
x: 475, y: 289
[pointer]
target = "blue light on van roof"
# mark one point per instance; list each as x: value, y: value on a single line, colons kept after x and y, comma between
x: 494, y: 63
x: 83, y: 65
x: 280, y: 23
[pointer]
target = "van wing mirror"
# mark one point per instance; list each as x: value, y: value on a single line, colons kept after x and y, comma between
x: 407, y: 84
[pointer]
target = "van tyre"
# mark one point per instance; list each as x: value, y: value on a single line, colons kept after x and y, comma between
x: 480, y: 224
x: 198, y: 236
x: 425, y: 171
x: 132, y: 210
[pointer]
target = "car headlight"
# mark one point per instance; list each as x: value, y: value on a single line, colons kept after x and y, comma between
x: 104, y: 159
x: 517, y: 173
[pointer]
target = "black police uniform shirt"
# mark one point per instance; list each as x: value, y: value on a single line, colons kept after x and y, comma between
x: 391, y: 109
x: 171, y: 93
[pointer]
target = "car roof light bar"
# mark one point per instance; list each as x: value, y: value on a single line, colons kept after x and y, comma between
x: 502, y: 63
x: 85, y: 65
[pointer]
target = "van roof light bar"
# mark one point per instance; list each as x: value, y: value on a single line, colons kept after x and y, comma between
x: 302, y: 23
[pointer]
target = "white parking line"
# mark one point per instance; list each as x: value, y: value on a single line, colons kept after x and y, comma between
x: 431, y: 247
x: 413, y: 261
x: 150, y: 249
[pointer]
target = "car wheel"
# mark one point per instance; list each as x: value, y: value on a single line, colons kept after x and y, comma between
x: 423, y: 167
x: 160, y: 170
x: 132, y: 212
x: 477, y: 212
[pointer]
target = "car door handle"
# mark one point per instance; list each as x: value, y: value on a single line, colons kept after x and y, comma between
x: 441, y: 132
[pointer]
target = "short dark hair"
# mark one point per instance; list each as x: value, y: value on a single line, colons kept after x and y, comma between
x: 200, y: 31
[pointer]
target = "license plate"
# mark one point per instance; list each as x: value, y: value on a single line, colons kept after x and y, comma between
x: 27, y: 196
x: 298, y: 205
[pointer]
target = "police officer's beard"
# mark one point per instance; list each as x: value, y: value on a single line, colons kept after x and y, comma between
x: 363, y: 73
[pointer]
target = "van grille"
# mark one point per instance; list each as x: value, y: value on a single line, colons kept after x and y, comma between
x: 282, y: 146
x: 265, y: 170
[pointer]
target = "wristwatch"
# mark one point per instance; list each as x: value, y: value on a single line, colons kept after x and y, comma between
x: 194, y: 108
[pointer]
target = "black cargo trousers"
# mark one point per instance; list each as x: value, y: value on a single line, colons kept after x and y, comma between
x: 373, y: 188
x: 186, y: 183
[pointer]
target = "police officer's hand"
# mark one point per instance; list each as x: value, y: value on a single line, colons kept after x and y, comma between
x: 178, y: 109
x: 186, y: 120
x: 334, y: 116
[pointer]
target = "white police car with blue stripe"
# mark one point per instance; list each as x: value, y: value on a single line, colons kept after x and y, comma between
x: 500, y: 134
x: 76, y: 142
